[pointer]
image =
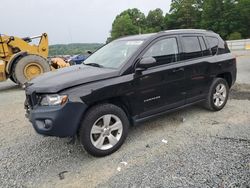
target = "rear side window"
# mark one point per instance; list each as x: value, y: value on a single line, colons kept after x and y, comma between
x: 223, y: 47
x: 204, y: 47
x: 164, y: 51
x: 213, y: 43
x: 191, y: 47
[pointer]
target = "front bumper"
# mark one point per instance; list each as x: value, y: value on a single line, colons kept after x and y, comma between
x: 60, y: 121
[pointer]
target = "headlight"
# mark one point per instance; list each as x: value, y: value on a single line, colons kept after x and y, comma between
x: 52, y: 100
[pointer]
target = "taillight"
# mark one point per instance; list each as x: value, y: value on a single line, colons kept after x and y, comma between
x: 234, y: 60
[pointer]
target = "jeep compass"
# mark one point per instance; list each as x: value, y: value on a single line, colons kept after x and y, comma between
x: 130, y: 80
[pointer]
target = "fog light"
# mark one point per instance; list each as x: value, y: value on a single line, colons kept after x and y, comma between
x: 44, y: 124
x: 47, y: 124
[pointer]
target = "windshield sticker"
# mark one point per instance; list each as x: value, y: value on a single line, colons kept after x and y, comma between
x: 138, y: 42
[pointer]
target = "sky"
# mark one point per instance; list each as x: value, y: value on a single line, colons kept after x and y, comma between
x: 68, y: 21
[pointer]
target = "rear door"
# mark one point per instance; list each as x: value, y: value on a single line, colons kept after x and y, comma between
x: 196, y: 55
x: 161, y: 87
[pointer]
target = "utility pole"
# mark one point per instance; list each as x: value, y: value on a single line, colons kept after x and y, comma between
x: 138, y: 22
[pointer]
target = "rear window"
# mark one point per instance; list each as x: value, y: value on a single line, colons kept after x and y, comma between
x: 191, y: 47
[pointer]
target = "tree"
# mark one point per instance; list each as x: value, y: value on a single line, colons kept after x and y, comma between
x: 234, y: 36
x: 221, y: 16
x: 137, y: 17
x: 129, y: 22
x: 154, y: 21
x: 229, y: 18
x: 185, y: 14
x: 243, y: 12
x: 122, y: 26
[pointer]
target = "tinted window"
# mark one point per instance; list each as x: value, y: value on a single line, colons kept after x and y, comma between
x: 191, y: 47
x: 164, y: 51
x: 223, y: 47
x: 204, y: 48
x: 213, y: 43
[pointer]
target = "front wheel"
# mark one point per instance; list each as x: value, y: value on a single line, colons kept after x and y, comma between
x: 218, y: 95
x: 104, y: 129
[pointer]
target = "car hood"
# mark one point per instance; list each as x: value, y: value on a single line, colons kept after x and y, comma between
x: 55, y: 81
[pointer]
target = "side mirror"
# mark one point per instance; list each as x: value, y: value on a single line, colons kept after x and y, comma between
x: 146, y: 63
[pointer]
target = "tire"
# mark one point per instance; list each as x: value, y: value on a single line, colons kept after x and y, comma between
x: 217, y: 95
x: 21, y: 69
x: 95, y: 138
x: 13, y: 79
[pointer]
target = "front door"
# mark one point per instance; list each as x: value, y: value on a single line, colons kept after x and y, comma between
x: 161, y: 87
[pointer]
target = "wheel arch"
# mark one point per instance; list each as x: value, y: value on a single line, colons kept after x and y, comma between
x: 118, y: 101
x: 227, y: 76
x: 13, y: 60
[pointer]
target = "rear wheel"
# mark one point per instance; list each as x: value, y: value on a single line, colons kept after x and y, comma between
x: 218, y: 95
x: 104, y: 129
x: 29, y: 67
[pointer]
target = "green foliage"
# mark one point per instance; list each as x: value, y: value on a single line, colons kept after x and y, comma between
x: 154, y: 21
x: 220, y: 16
x: 229, y: 18
x: 72, y: 49
x: 133, y: 21
x: 185, y: 13
x: 243, y: 15
x: 123, y: 26
x: 127, y: 23
x: 234, y: 36
x: 136, y: 16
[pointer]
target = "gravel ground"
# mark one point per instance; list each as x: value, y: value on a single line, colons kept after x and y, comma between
x: 189, y: 148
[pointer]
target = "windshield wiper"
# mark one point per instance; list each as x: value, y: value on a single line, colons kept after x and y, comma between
x: 94, y: 65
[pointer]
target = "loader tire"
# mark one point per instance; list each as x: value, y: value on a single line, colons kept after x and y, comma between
x: 29, y: 67
x: 13, y: 79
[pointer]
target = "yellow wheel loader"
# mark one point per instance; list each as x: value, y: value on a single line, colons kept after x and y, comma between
x: 21, y: 61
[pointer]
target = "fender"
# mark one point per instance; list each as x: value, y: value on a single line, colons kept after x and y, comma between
x: 13, y: 59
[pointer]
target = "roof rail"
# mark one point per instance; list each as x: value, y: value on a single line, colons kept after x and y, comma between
x: 183, y: 30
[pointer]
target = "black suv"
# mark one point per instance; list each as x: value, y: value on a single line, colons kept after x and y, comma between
x: 130, y: 80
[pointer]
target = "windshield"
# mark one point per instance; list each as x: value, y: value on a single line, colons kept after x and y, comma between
x: 114, y: 54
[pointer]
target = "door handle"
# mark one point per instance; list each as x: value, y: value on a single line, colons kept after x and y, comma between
x: 178, y: 70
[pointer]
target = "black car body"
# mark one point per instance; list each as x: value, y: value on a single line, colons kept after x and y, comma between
x: 143, y: 86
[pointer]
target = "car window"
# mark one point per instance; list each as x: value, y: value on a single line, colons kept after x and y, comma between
x: 213, y: 43
x: 191, y: 47
x: 223, y: 47
x: 114, y: 54
x: 204, y: 48
x: 164, y: 51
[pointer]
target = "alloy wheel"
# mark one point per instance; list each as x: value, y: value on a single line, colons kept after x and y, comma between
x: 106, y: 132
x: 219, y: 95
